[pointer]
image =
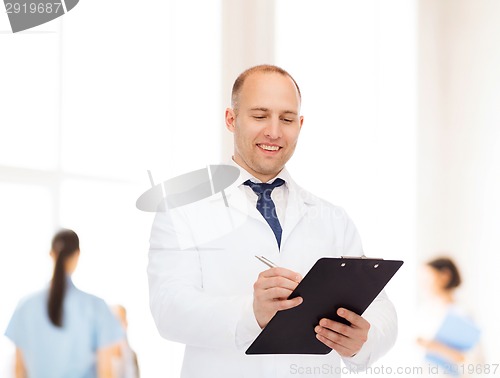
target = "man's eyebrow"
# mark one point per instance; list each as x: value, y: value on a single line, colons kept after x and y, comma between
x: 259, y: 109
x: 262, y: 109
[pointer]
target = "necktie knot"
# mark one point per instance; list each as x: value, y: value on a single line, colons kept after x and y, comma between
x: 264, y: 188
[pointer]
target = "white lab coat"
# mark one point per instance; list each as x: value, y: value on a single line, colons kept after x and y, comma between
x: 202, y: 268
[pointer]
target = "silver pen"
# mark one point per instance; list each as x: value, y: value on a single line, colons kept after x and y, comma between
x: 269, y: 263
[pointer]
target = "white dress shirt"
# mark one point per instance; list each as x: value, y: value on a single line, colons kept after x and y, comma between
x: 202, y: 268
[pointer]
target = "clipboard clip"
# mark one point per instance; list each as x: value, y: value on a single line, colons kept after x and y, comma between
x: 362, y: 257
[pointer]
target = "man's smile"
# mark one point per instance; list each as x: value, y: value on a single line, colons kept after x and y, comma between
x: 269, y: 147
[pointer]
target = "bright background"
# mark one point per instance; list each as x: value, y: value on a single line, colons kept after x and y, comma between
x: 402, y: 128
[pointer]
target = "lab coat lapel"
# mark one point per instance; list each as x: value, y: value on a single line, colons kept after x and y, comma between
x: 238, y: 202
x: 297, y: 205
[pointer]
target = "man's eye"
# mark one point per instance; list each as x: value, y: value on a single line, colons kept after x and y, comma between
x: 287, y: 120
x: 259, y: 117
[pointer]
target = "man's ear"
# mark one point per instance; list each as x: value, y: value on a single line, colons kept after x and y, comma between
x: 230, y: 118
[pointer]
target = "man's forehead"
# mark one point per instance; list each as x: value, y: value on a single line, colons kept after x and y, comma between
x: 260, y: 84
x: 262, y: 77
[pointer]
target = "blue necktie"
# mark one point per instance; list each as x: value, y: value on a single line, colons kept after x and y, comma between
x: 266, y: 206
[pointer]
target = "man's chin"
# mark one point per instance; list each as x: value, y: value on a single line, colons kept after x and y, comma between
x: 267, y: 170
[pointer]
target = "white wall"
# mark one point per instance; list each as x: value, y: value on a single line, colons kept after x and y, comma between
x: 459, y: 144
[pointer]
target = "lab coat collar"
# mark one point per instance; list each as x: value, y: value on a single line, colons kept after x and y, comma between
x: 299, y: 200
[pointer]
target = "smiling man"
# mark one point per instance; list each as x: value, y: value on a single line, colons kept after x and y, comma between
x: 265, y: 120
x: 209, y: 292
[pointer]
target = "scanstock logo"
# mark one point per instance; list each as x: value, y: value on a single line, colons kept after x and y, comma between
x: 26, y: 14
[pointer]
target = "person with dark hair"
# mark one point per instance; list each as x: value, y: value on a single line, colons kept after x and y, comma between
x: 61, y: 331
x: 207, y: 289
x: 448, y: 272
x: 443, y: 316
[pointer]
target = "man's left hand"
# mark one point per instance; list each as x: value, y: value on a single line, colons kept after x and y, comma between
x: 346, y: 340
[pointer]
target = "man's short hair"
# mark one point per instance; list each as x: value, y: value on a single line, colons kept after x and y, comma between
x: 266, y: 68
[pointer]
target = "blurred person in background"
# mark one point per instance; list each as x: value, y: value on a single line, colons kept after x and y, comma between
x: 125, y: 364
x: 61, y: 331
x: 450, y: 339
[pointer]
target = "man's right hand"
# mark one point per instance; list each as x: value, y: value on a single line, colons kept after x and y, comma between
x: 270, y: 293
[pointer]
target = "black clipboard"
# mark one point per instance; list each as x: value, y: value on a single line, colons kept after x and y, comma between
x: 349, y: 282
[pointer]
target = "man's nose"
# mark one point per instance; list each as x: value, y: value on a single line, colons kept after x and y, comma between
x: 273, y: 128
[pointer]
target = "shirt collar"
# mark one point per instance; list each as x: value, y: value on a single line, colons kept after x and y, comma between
x: 245, y: 175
